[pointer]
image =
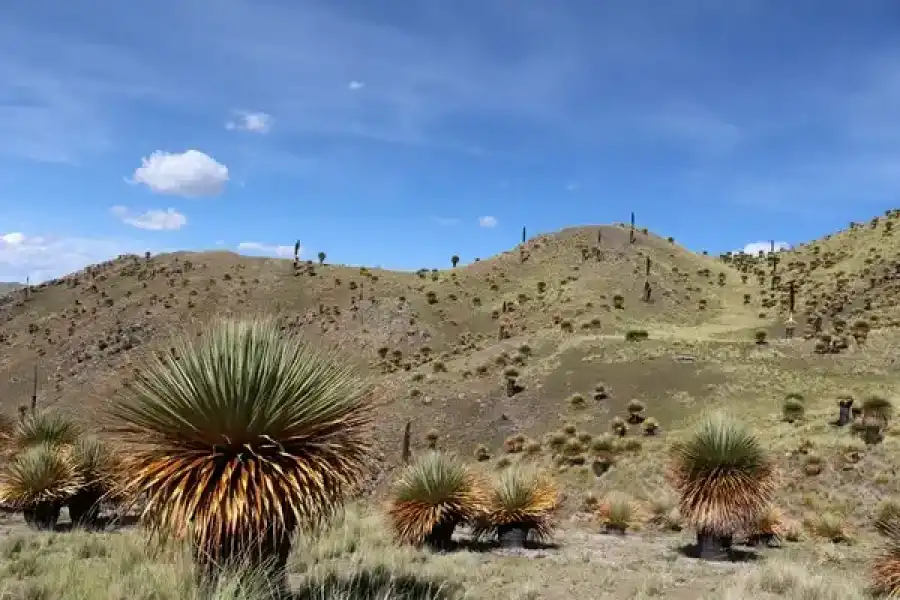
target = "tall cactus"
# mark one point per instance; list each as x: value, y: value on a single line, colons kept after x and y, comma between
x: 647, y: 270
x: 631, y: 233
x: 523, y: 234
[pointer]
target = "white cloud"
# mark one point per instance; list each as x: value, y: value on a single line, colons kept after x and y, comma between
x: 191, y: 174
x: 40, y: 258
x: 755, y: 247
x: 487, y: 221
x: 446, y: 221
x: 356, y: 85
x: 12, y: 239
x: 268, y: 249
x: 152, y: 220
x: 254, y: 122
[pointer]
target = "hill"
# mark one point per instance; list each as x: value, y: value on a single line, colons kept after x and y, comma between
x: 504, y: 358
x: 445, y: 328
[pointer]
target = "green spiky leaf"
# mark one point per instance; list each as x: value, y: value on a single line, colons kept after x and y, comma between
x: 723, y: 474
x: 243, y: 431
x: 41, y: 473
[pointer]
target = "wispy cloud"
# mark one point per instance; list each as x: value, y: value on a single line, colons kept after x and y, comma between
x: 487, y: 222
x: 446, y: 221
x: 299, y: 59
x: 268, y: 249
x: 41, y: 257
x: 151, y: 220
x: 254, y: 122
x: 694, y: 127
x: 755, y: 248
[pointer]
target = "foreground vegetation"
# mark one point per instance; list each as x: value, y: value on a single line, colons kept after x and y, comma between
x: 357, y: 559
x: 242, y: 446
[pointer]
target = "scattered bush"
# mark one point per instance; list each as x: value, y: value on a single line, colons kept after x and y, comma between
x: 433, y: 495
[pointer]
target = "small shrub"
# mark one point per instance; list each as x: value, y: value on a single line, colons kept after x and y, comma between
x: 577, y: 401
x: 792, y: 409
x: 813, y: 464
x: 603, y: 444
x: 616, y: 513
x: 636, y: 335
x: 431, y: 438
x: 828, y: 525
x: 887, y: 516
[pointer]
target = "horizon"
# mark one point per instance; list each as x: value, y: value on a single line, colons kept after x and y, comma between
x: 404, y: 135
x: 753, y: 249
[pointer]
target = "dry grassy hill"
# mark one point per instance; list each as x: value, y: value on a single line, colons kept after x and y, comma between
x: 532, y: 355
x: 435, y: 343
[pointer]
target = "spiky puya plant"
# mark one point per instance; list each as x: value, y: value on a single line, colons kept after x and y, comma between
x: 238, y: 439
x: 434, y: 494
x: 520, y: 501
x: 885, y: 575
x: 725, y: 480
x: 38, y: 481
x: 42, y: 427
x: 98, y: 468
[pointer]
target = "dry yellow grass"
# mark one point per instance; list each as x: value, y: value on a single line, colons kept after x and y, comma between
x: 356, y: 559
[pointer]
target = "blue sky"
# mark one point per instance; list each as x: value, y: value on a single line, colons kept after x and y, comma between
x: 384, y: 133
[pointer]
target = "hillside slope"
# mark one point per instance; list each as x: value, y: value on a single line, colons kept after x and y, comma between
x: 454, y: 327
x: 519, y: 357
x: 843, y: 282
